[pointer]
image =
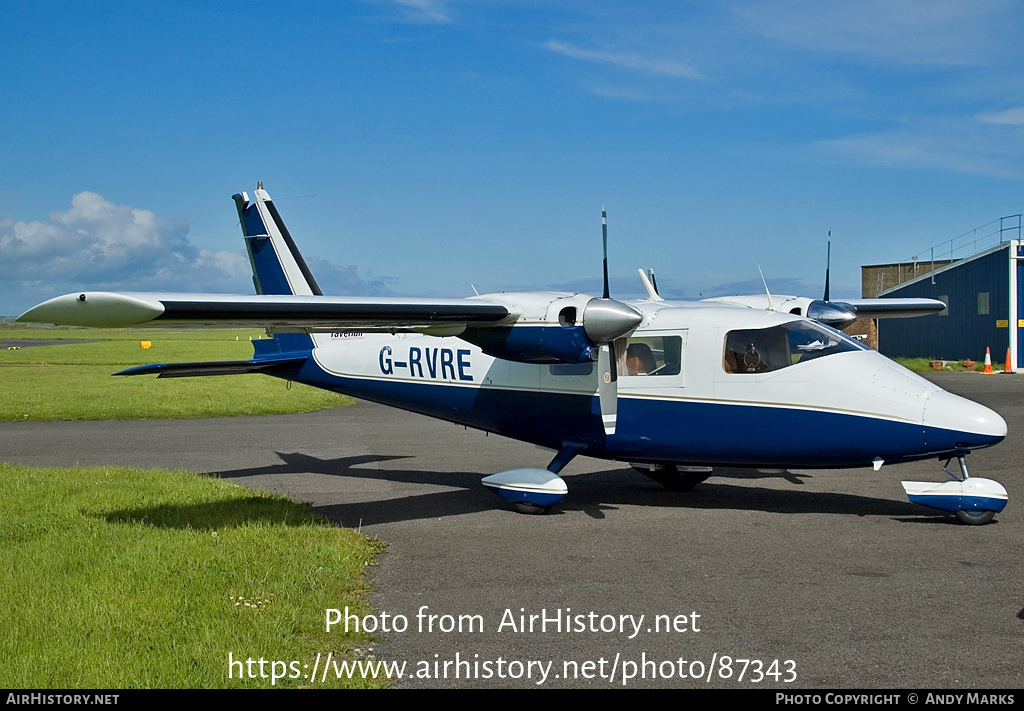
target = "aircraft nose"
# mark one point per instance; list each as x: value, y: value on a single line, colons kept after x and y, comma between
x: 968, y: 423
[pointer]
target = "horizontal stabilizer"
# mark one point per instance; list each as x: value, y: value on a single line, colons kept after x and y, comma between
x: 217, y: 367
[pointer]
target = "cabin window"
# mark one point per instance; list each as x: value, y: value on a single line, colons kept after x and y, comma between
x: 571, y: 368
x: 766, y: 349
x: 649, y: 355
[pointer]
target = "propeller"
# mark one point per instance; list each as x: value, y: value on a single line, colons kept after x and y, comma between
x: 831, y: 313
x: 828, y: 263
x: 604, y: 244
x: 604, y: 320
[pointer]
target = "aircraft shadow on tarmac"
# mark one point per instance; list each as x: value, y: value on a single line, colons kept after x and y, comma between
x: 592, y: 493
x: 211, y: 515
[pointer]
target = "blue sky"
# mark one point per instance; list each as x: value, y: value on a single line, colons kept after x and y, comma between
x: 419, y: 146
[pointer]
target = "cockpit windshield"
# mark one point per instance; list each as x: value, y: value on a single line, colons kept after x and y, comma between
x: 766, y: 349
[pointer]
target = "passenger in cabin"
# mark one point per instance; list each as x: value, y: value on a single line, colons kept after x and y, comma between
x: 649, y: 355
x: 640, y: 360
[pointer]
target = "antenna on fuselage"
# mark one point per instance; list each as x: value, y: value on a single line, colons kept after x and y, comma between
x: 771, y: 304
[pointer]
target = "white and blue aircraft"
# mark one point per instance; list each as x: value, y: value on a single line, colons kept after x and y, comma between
x: 674, y: 388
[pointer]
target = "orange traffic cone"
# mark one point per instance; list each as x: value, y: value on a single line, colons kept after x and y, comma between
x: 988, y: 362
x: 1008, y: 368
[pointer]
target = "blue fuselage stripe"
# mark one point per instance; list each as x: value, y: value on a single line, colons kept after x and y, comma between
x: 954, y: 502
x: 704, y: 432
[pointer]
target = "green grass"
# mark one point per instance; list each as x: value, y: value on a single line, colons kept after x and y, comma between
x: 73, y: 381
x: 923, y: 365
x: 121, y: 578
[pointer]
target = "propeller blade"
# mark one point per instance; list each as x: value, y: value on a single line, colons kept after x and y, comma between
x: 604, y: 239
x: 608, y: 387
x: 828, y: 263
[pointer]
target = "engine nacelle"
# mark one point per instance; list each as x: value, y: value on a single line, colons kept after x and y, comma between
x: 533, y: 344
x: 831, y: 313
x: 560, y: 328
x: 836, y: 314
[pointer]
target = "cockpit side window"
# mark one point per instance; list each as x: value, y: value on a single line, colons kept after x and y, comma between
x: 649, y: 355
x: 756, y: 351
x: 768, y: 349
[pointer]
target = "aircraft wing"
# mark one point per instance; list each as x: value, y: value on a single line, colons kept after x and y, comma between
x: 286, y: 311
x: 838, y: 313
x: 892, y: 307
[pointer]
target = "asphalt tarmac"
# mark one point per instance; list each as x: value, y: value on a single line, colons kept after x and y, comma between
x: 829, y: 578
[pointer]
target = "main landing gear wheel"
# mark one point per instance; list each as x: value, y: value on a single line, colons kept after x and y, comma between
x: 975, y: 517
x: 525, y: 507
x: 675, y: 480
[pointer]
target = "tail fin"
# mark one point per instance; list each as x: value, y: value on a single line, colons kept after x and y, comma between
x: 277, y: 266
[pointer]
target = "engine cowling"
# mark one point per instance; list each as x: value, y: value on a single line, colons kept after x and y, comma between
x: 831, y: 313
x: 565, y: 329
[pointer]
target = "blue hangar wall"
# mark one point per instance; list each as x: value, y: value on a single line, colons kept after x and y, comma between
x: 979, y: 311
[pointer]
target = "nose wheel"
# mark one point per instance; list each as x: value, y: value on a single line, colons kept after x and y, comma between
x: 975, y: 518
x: 973, y: 500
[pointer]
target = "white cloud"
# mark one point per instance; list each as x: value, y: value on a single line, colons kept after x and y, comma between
x: 621, y: 93
x: 1011, y: 117
x: 428, y: 11
x: 346, y: 280
x: 953, y: 144
x: 102, y: 246
x: 938, y: 32
x: 626, y: 60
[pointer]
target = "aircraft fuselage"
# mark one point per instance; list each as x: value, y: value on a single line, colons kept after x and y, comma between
x: 696, y: 402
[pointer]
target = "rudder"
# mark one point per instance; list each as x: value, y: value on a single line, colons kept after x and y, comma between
x: 277, y: 265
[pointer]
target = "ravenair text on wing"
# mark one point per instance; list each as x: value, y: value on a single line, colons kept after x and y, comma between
x: 427, y: 362
x: 563, y: 620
